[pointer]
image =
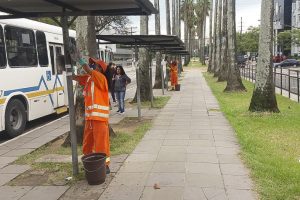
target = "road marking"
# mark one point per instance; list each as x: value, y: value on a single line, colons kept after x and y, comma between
x: 24, y: 134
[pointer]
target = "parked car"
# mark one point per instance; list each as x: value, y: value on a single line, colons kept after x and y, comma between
x: 287, y: 63
x: 241, y: 60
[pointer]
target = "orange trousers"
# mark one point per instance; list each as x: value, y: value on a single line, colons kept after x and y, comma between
x: 96, y: 138
x: 174, y: 79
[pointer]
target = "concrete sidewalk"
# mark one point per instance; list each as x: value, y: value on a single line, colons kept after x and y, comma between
x: 190, y: 153
x: 11, y: 150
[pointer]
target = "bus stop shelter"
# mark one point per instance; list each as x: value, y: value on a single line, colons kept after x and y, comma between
x: 153, y: 43
x: 65, y: 9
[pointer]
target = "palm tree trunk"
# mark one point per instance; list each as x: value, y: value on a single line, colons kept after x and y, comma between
x: 186, y: 39
x: 190, y: 44
x: 168, y: 17
x: 173, y: 17
x: 219, y: 40
x: 86, y: 37
x: 158, y: 78
x: 200, y: 36
x: 264, y: 98
x: 203, y: 39
x: 178, y: 19
x: 224, y: 49
x: 234, y: 81
x: 210, y: 37
x: 144, y: 61
x: 214, y: 67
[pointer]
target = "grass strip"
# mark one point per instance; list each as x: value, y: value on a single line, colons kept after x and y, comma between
x: 270, y: 142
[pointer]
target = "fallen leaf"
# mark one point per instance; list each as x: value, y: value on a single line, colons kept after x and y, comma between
x: 156, y: 186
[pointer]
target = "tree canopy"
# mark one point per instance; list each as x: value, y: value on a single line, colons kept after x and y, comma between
x: 248, y: 41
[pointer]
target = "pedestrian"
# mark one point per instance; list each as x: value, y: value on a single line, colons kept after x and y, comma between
x: 174, y: 74
x: 121, y: 81
x: 96, y: 97
x: 110, y: 74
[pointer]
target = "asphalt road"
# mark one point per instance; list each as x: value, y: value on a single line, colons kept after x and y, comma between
x: 281, y: 79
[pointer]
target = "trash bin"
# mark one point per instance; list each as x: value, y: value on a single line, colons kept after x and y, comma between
x: 95, y: 168
x: 177, y: 87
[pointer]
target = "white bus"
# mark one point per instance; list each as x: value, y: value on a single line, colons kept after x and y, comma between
x: 31, y: 84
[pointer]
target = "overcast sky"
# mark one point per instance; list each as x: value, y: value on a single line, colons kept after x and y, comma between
x: 249, y: 10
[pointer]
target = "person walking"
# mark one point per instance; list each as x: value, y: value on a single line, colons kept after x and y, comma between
x: 110, y: 74
x: 174, y: 74
x: 121, y: 81
x: 96, y: 97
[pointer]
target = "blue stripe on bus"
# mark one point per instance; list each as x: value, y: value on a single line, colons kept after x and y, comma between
x: 35, y: 88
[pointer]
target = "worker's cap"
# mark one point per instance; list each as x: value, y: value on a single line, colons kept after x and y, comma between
x: 101, y: 63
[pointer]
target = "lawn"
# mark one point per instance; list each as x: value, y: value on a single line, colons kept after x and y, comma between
x: 196, y: 63
x: 158, y: 102
x: 270, y: 142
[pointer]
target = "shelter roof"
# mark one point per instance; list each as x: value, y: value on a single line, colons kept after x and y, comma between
x: 52, y: 8
x: 178, y: 52
x: 142, y: 40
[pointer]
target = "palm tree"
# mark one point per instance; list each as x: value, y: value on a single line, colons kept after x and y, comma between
x: 173, y: 17
x: 219, y: 40
x: 158, y: 78
x: 210, y: 37
x: 206, y: 8
x: 189, y: 23
x: 234, y: 81
x: 168, y: 25
x: 178, y: 18
x: 264, y: 98
x: 224, y: 46
x: 214, y: 60
x: 144, y: 61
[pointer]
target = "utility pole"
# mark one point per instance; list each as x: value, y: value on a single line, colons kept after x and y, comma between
x: 241, y: 26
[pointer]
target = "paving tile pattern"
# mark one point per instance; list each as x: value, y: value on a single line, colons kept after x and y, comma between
x: 191, y: 152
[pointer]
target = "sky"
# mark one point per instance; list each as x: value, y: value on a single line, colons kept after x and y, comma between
x: 249, y: 10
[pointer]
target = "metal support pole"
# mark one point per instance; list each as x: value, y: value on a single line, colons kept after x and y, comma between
x: 280, y: 80
x: 298, y: 87
x: 289, y: 84
x: 249, y: 73
x: 69, y: 73
x: 162, y: 79
x: 151, y: 84
x: 274, y: 76
x: 138, y: 86
x: 252, y: 79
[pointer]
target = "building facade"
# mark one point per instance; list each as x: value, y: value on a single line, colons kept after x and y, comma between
x: 295, y: 51
x: 282, y: 21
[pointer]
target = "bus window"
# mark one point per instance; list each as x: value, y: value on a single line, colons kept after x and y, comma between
x: 42, y: 48
x: 102, y: 55
x: 2, y: 50
x: 21, y: 49
x: 52, y: 59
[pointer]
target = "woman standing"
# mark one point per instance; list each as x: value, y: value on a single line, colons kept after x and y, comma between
x: 121, y: 81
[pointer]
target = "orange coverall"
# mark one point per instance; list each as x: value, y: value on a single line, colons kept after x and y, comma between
x: 174, y: 74
x: 96, y: 132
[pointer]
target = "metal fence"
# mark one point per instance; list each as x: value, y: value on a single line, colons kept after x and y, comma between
x: 286, y: 80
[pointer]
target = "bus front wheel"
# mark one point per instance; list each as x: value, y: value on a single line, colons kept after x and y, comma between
x: 15, y: 118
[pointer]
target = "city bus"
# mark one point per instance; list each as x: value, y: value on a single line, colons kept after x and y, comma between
x: 32, y: 83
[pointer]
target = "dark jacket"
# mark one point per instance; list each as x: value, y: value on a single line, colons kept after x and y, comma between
x: 110, y: 73
x: 121, y: 82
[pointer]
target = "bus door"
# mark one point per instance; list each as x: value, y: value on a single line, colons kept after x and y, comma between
x: 56, y: 50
